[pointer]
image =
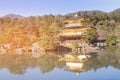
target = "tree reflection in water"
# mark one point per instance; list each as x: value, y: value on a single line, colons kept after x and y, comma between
x: 18, y: 64
x: 110, y: 56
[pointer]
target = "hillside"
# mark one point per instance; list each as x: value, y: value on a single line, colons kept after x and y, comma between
x: 97, y: 12
x: 13, y: 16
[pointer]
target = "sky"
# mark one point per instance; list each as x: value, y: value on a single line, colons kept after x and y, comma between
x: 43, y: 7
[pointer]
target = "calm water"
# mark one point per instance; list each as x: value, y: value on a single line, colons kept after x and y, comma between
x: 106, y: 66
x: 109, y: 73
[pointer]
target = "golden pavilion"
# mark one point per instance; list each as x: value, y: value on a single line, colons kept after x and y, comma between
x: 74, y: 28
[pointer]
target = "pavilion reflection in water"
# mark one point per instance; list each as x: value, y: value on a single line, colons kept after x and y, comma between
x: 75, y: 63
x: 76, y: 67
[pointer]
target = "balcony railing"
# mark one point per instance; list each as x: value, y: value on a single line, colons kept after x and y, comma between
x: 73, y: 24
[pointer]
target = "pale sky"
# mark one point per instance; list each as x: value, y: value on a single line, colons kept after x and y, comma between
x: 42, y: 7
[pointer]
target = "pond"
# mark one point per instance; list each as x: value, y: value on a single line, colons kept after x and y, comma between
x: 104, y: 66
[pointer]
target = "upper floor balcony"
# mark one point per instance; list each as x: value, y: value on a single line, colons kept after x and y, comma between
x: 73, y: 24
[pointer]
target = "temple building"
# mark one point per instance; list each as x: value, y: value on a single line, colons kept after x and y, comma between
x: 73, y: 30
